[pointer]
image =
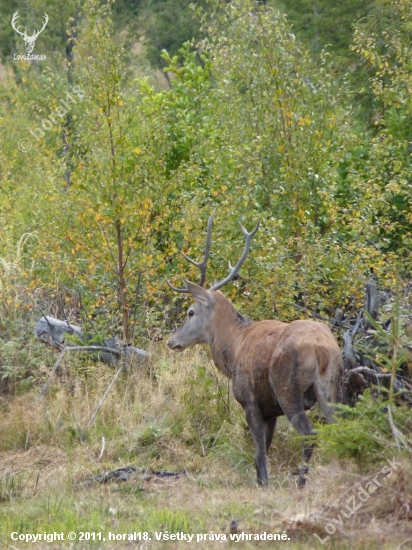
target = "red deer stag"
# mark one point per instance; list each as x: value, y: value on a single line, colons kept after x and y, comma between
x: 276, y: 368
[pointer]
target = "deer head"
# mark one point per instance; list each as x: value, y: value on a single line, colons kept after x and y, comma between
x: 196, y: 327
x: 29, y: 40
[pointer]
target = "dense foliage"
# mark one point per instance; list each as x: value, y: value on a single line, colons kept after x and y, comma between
x: 109, y: 171
x: 122, y: 173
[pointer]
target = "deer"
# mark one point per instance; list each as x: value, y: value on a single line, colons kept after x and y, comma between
x: 29, y: 40
x: 276, y: 368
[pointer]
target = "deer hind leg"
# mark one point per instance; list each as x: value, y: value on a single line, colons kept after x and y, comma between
x: 322, y: 398
x: 257, y: 428
x: 304, y: 427
x: 295, y: 413
x: 270, y: 425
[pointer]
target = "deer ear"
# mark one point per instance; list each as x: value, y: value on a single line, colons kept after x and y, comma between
x: 199, y: 293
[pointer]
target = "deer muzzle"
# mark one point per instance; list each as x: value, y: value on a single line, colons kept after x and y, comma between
x: 174, y: 346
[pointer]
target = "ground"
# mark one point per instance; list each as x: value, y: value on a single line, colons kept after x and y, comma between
x: 176, y: 414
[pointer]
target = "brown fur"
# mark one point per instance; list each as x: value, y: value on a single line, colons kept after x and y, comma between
x: 276, y: 368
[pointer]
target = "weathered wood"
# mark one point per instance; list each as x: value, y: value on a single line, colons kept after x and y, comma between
x: 348, y: 352
x: 376, y: 375
x: 360, y: 369
x: 125, y: 352
x: 372, y: 299
x: 52, y: 331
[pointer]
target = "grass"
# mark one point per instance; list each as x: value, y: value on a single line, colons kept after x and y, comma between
x: 176, y: 413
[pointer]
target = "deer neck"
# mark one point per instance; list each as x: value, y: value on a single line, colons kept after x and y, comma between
x: 228, y: 330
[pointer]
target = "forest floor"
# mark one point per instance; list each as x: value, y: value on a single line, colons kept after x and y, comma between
x: 193, y: 485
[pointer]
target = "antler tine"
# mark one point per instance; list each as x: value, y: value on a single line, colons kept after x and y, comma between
x: 13, y: 22
x: 177, y: 289
x: 46, y: 20
x: 248, y: 236
x: 203, y: 264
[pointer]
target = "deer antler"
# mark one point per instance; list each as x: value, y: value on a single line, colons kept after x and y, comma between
x: 235, y: 270
x: 203, y: 265
x: 13, y: 22
x: 46, y: 20
x: 29, y: 40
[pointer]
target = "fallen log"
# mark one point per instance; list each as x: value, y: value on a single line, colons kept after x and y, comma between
x: 53, y: 332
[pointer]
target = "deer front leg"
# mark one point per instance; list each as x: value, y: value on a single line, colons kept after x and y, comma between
x: 258, y: 429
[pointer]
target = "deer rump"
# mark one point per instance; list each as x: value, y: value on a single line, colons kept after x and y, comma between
x: 287, y: 367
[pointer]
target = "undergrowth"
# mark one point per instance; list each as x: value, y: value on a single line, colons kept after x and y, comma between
x: 173, y: 413
x: 177, y: 413
x: 363, y: 433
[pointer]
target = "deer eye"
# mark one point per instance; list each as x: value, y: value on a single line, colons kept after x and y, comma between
x: 190, y: 313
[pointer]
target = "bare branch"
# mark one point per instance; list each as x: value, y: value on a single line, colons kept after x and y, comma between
x: 94, y: 348
x: 372, y: 299
x: 357, y: 325
x: 103, y: 445
x: 47, y: 321
x: 107, y: 242
x: 45, y: 388
x: 65, y: 349
x: 104, y: 397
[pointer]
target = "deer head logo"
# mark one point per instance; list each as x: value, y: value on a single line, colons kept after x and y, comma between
x: 29, y: 40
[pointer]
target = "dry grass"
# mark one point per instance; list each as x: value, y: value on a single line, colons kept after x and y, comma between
x: 174, y: 414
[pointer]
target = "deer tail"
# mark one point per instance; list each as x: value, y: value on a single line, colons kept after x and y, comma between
x: 323, y: 357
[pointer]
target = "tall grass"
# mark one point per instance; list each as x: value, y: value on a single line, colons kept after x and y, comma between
x: 177, y: 413
x: 174, y: 412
